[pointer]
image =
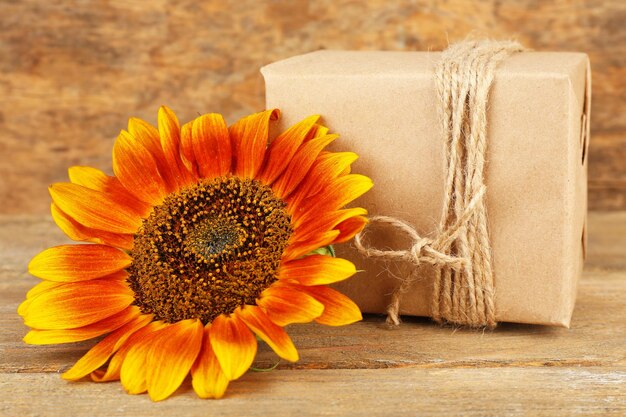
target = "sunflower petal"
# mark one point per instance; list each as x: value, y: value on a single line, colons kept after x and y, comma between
x: 234, y: 345
x: 286, y: 305
x: 300, y: 165
x: 134, y: 369
x: 187, y: 156
x: 349, y: 228
x: 250, y: 137
x: 336, y: 195
x: 173, y: 352
x: 71, y: 263
x: 97, y: 180
x: 148, y: 136
x: 207, y: 377
x: 323, y: 222
x: 272, y: 334
x: 114, y: 367
x: 137, y: 169
x: 339, y: 310
x: 49, y: 337
x: 211, y: 145
x: 284, y: 147
x: 327, y: 167
x: 316, y: 270
x: 75, y: 305
x: 94, y: 209
x: 80, y: 233
x: 169, y: 133
x: 100, y: 353
x: 42, y: 287
x: 319, y: 240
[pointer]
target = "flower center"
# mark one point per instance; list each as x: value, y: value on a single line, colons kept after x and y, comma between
x: 208, y: 249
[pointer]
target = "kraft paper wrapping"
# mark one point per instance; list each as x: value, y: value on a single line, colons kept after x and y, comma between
x: 385, y: 107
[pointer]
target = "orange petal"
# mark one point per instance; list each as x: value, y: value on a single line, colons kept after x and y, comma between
x: 49, y: 337
x: 284, y: 147
x: 211, y: 145
x: 94, y: 209
x: 173, y: 352
x: 114, y: 367
x: 169, y: 132
x: 336, y: 195
x: 137, y: 169
x: 100, y: 353
x: 97, y: 180
x: 314, y: 242
x: 77, y: 304
x: 148, y: 136
x: 80, y: 233
x: 286, y: 305
x: 186, y: 150
x: 339, y: 310
x: 208, y: 379
x: 70, y: 263
x: 250, y: 137
x: 349, y: 228
x: 300, y: 165
x: 324, y: 221
x: 234, y: 345
x: 327, y: 167
x: 270, y: 333
x: 316, y: 270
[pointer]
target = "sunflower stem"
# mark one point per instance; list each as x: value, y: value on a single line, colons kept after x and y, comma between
x: 271, y: 368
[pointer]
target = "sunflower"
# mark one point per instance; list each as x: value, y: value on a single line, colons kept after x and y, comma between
x: 206, y: 238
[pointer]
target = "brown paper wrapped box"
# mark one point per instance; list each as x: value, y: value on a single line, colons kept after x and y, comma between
x: 384, y: 106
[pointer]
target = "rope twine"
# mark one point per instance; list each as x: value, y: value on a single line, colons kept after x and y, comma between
x: 463, y: 288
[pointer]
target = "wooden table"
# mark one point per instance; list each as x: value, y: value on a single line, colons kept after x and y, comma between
x: 364, y: 369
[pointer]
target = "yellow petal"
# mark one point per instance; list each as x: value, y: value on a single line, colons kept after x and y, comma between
x: 270, y: 333
x: 94, y: 209
x: 317, y: 270
x: 234, y: 345
x: 77, y: 304
x: 49, y: 337
x: 100, y: 353
x: 286, y: 305
x: 173, y: 352
x: 113, y: 369
x: 70, y: 263
x: 208, y: 379
x: 339, y: 310
x: 80, y: 233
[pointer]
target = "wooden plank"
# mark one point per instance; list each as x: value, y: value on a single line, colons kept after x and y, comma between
x: 383, y: 392
x: 74, y: 71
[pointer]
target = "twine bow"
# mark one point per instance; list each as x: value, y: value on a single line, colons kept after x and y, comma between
x: 423, y: 250
x: 463, y: 288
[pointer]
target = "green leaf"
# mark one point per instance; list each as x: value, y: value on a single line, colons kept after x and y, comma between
x: 324, y: 250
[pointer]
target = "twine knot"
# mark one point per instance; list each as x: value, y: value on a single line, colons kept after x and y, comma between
x: 463, y: 289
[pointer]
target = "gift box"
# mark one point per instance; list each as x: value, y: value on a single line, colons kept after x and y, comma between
x: 385, y: 106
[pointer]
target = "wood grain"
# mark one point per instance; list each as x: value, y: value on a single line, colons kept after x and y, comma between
x: 72, y: 72
x: 363, y: 369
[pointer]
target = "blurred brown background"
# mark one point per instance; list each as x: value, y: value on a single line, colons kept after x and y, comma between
x: 72, y: 72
